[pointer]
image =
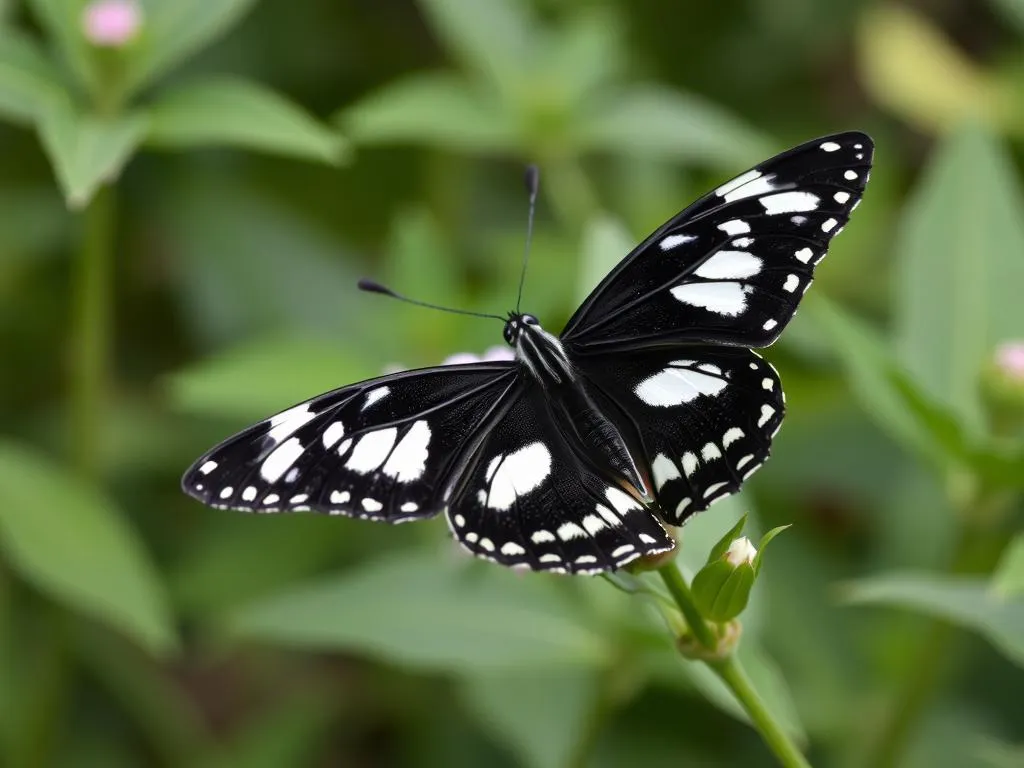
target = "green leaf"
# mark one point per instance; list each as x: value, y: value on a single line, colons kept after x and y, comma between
x: 416, y: 610
x: 174, y: 31
x: 543, y: 731
x: 437, y: 109
x: 605, y: 241
x: 649, y: 120
x: 86, y: 150
x: 869, y: 371
x: 73, y: 545
x: 967, y: 602
x: 62, y: 20
x: 28, y: 79
x: 239, y: 113
x: 493, y: 37
x: 1008, y: 580
x: 1011, y: 10
x: 911, y: 67
x: 960, y: 271
x: 765, y: 541
x: 263, y: 377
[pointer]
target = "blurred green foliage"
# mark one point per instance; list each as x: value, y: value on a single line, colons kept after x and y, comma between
x: 181, y: 223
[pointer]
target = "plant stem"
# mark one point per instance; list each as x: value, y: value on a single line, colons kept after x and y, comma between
x: 91, y: 316
x: 775, y: 737
x: 728, y: 668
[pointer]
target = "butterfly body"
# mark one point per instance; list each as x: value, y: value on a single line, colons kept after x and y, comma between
x: 576, y: 455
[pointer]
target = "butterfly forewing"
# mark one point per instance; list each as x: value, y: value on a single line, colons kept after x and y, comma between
x: 732, y: 267
x: 703, y: 416
x: 532, y: 501
x: 385, y: 449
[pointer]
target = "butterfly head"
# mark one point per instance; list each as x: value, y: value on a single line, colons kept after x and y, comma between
x: 515, y: 324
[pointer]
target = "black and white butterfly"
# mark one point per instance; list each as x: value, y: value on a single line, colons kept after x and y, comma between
x: 575, y: 455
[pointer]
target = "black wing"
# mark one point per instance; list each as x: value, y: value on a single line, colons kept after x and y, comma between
x: 532, y: 501
x: 384, y: 449
x: 732, y: 267
x: 703, y: 417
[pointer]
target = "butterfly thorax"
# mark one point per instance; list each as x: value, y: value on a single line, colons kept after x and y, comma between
x: 539, y: 351
x: 570, y: 402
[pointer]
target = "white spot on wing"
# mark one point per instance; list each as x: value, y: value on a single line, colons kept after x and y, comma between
x: 731, y: 436
x: 609, y: 517
x: 340, y: 497
x: 730, y: 265
x: 227, y: 491
x: 841, y: 197
x: 790, y: 202
x: 333, y: 433
x: 460, y: 521
x: 620, y: 551
x: 374, y: 395
x: 828, y: 225
x: 593, y: 524
x: 850, y: 175
x: 744, y: 461
x: 734, y: 227
x: 710, y: 452
x: 689, y: 463
x: 673, y: 241
x: 511, y: 549
x: 568, y: 531
x: 409, y: 506
x: 722, y: 298
x: 286, y: 422
x: 280, y: 459
x: 675, y: 386
x: 766, y: 414
x: 770, y: 324
x: 829, y: 146
x: 791, y: 284
x: 371, y: 450
x: 208, y: 467
x: 804, y: 255
x: 372, y: 505
x: 521, y: 472
x: 713, y: 489
x: 542, y: 537
x: 663, y: 469
x: 409, y: 459
x: 622, y: 502
x: 739, y: 181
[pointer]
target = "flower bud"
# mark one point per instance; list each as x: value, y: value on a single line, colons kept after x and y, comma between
x: 111, y: 23
x: 740, y: 551
x: 721, y: 588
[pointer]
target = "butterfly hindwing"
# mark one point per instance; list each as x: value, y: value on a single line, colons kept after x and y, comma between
x: 703, y: 416
x: 531, y: 501
x: 383, y: 449
x: 732, y: 267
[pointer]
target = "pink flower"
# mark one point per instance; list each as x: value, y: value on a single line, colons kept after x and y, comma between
x: 1010, y: 359
x: 111, y: 23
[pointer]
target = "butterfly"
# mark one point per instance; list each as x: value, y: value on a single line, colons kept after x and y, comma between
x: 577, y: 455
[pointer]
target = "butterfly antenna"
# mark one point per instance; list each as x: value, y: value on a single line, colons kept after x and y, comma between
x: 532, y: 179
x: 372, y: 286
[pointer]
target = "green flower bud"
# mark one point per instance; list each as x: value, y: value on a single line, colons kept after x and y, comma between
x: 721, y: 588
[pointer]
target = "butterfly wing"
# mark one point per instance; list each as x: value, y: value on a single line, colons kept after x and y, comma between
x: 702, y: 416
x: 384, y: 449
x: 732, y: 267
x: 531, y: 500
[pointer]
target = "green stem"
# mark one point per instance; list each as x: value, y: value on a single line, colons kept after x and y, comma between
x: 728, y: 668
x: 775, y: 737
x: 91, y: 321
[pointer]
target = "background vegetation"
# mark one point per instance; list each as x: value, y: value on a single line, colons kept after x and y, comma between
x: 181, y: 223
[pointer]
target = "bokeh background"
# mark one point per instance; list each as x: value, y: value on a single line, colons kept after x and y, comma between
x: 187, y: 197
